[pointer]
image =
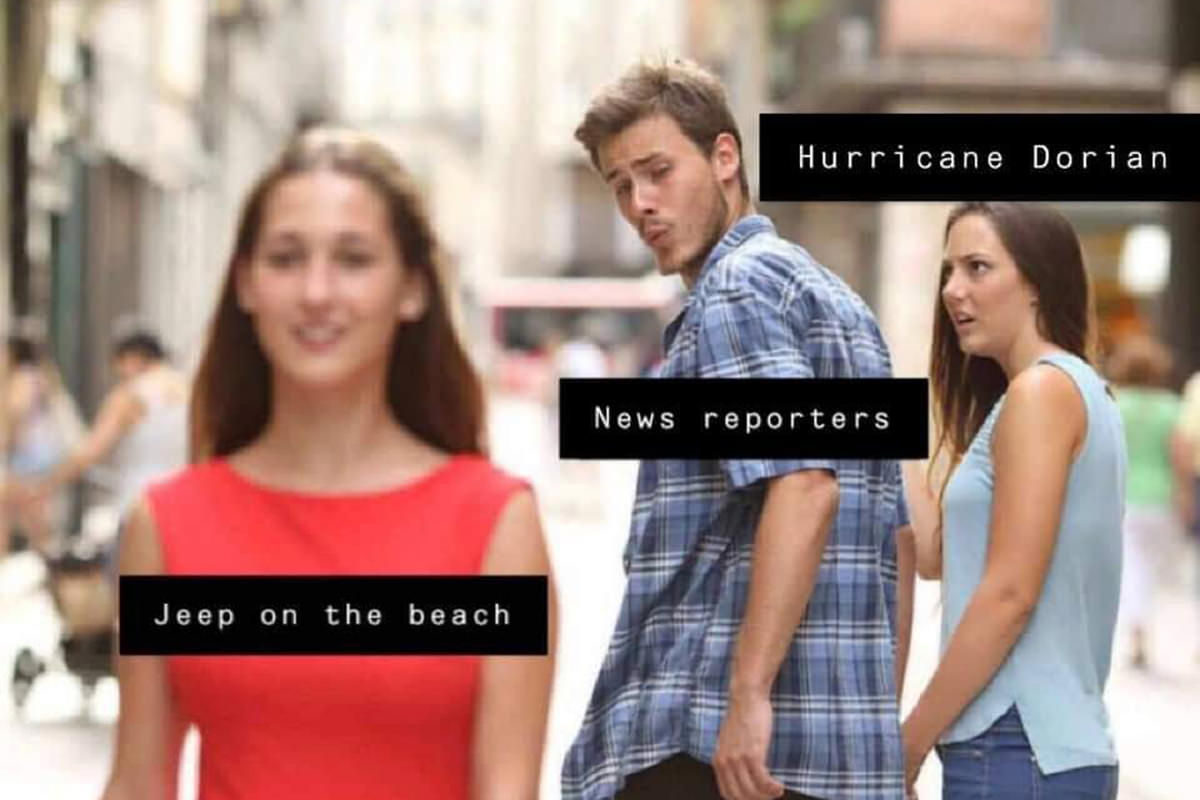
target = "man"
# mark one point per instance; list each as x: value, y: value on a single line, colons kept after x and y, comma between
x: 142, y: 423
x: 754, y: 650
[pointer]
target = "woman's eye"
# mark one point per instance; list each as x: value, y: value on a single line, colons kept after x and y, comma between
x: 356, y: 259
x: 661, y: 171
x: 283, y: 259
x: 978, y: 266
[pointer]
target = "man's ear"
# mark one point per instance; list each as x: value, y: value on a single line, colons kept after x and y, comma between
x: 726, y: 159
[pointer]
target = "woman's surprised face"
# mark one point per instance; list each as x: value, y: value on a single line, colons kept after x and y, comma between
x: 326, y: 284
x: 986, y: 297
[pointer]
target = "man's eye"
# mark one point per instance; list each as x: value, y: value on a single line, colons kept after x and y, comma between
x: 660, y: 171
x: 622, y: 188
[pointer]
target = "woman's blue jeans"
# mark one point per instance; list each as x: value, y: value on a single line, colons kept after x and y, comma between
x: 999, y: 765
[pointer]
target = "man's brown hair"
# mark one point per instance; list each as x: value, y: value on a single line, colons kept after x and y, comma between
x: 683, y: 90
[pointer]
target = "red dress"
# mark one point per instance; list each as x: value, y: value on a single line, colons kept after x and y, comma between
x: 329, y: 726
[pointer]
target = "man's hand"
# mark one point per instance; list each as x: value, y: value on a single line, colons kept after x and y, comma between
x: 740, y: 761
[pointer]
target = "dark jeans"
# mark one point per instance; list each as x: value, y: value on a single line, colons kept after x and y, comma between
x: 998, y: 764
x: 680, y: 777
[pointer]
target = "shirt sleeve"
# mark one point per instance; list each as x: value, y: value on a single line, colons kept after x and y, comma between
x: 745, y: 334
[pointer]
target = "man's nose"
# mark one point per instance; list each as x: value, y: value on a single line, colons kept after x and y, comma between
x: 645, y: 198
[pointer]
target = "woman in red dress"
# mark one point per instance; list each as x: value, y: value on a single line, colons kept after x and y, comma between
x: 336, y: 429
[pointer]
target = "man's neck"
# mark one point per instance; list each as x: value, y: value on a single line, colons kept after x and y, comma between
x: 738, y: 210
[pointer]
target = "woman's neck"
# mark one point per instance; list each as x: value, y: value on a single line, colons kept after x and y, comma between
x: 343, y: 440
x: 1025, y: 352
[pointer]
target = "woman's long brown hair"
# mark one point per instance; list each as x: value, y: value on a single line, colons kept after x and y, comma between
x: 1047, y: 253
x: 431, y: 386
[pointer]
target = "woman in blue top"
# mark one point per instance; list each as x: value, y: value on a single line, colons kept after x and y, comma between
x: 1027, y: 538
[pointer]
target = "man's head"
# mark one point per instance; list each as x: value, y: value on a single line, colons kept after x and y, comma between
x: 664, y: 140
x: 136, y: 351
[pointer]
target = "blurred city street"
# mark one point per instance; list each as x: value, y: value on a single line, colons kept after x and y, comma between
x: 137, y: 129
x: 61, y: 755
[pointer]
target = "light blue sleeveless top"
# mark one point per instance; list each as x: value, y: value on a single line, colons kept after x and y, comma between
x: 1056, y: 672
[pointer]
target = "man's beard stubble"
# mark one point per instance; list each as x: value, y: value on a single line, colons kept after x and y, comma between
x: 714, y: 229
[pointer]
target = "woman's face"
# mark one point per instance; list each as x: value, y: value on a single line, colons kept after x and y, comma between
x: 326, y: 284
x: 987, y: 298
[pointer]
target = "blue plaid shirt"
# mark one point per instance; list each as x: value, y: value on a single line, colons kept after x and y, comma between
x: 762, y: 308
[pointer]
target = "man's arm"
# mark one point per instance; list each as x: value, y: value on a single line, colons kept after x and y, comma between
x: 797, y: 514
x: 750, y: 327
x: 117, y: 414
x: 795, y: 522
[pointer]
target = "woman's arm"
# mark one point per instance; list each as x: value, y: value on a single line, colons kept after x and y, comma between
x: 514, y: 691
x: 149, y: 730
x: 1036, y: 435
x: 905, y: 561
x: 926, y: 527
x: 120, y: 410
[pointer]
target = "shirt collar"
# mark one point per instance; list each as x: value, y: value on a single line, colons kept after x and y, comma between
x: 743, y: 229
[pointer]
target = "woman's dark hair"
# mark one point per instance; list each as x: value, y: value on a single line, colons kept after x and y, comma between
x: 431, y: 386
x: 1046, y: 251
x: 140, y: 343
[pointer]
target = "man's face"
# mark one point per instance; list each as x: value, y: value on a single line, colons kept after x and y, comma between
x: 129, y: 365
x: 669, y: 191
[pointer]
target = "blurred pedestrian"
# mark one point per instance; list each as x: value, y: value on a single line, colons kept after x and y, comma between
x: 336, y: 429
x: 42, y: 425
x: 1028, y: 537
x: 141, y: 424
x: 580, y: 356
x: 1187, y: 459
x: 1140, y: 367
x: 729, y: 554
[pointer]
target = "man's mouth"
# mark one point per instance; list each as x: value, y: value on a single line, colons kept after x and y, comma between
x: 654, y: 235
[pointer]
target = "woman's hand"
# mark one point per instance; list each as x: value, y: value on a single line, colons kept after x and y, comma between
x: 917, y: 745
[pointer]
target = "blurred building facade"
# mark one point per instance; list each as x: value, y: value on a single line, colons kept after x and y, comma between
x: 146, y: 120
x: 480, y: 99
x: 152, y: 118
x: 1182, y: 302
x: 962, y: 56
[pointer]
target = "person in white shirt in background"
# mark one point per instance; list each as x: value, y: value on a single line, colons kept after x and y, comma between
x: 142, y: 424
